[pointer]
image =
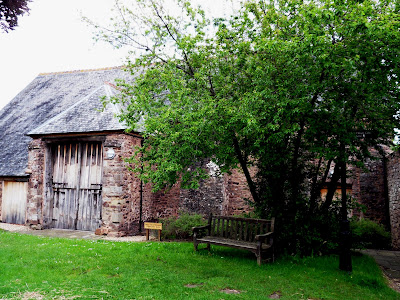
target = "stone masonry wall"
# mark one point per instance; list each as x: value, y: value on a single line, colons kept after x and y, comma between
x: 162, y: 204
x: 394, y: 198
x: 209, y: 197
x: 121, y: 189
x: 224, y: 195
x: 236, y: 193
x: 36, y: 166
x: 368, y: 188
x: 219, y: 194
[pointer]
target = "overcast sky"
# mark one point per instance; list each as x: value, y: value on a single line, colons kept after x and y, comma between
x: 53, y: 38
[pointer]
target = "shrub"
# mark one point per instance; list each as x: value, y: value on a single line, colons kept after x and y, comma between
x: 181, y: 227
x: 368, y: 234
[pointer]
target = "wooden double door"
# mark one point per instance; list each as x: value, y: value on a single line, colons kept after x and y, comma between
x: 76, y: 185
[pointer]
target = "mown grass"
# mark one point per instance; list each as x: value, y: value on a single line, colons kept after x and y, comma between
x: 55, y: 268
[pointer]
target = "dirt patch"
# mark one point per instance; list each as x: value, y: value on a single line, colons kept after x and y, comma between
x: 192, y: 286
x: 14, y: 227
x: 230, y: 291
x: 275, y: 295
x: 32, y: 295
x: 68, y: 233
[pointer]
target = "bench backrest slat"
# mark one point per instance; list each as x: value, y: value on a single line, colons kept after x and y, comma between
x: 233, y: 228
x: 236, y: 229
x: 240, y: 237
x: 251, y: 232
x: 212, y: 227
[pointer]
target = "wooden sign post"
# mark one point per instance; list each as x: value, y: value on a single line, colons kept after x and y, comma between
x: 153, y: 226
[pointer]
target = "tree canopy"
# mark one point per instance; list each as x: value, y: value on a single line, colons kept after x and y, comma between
x: 290, y: 88
x: 10, y: 10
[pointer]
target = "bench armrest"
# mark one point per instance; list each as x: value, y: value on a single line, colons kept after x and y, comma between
x: 197, y: 229
x: 263, y: 237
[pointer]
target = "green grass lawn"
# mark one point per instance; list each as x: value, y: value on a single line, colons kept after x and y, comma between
x: 47, y: 268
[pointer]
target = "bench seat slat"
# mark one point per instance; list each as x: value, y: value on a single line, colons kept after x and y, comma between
x: 231, y: 243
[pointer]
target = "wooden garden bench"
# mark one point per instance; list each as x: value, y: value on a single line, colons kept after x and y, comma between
x: 255, y: 235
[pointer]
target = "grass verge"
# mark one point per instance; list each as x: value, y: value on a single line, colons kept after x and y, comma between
x: 34, y: 267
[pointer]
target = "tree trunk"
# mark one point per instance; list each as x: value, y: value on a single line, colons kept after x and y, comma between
x: 245, y: 169
x: 332, y: 186
x: 345, y: 238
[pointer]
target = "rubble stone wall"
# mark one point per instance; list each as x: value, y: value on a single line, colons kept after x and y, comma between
x: 394, y: 198
x: 219, y: 195
x: 162, y: 204
x: 369, y: 189
x: 209, y: 197
x: 236, y: 194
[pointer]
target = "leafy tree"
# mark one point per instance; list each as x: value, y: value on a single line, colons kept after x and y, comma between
x: 290, y: 88
x: 10, y: 10
x: 338, y: 70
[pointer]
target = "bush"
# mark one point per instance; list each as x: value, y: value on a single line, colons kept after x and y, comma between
x: 368, y: 234
x: 181, y: 227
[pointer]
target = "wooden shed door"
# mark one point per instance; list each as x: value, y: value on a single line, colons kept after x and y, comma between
x: 77, y: 174
x: 14, y: 202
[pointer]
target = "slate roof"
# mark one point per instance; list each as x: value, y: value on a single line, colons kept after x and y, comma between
x: 86, y: 115
x: 53, y: 103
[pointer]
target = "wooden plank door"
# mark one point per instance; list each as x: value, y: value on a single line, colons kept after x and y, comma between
x: 14, y: 202
x: 89, y: 204
x: 76, y: 183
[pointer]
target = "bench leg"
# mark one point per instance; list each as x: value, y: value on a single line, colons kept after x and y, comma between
x: 258, y: 253
x: 273, y: 254
x: 259, y: 259
x: 196, y: 246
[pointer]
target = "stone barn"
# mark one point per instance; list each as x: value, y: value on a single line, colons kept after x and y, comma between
x: 62, y: 162
x: 62, y: 166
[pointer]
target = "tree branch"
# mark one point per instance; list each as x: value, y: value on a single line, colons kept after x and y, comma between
x: 167, y: 27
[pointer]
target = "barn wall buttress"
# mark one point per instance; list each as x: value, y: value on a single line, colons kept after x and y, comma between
x: 36, y: 168
x: 121, y: 188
